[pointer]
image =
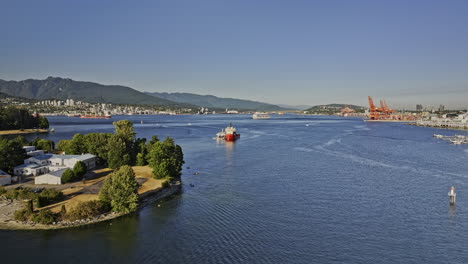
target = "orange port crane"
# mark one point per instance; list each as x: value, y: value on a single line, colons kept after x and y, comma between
x: 385, y: 108
x: 374, y: 111
x: 382, y: 112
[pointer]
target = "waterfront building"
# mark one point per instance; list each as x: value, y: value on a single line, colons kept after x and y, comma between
x: 49, y: 164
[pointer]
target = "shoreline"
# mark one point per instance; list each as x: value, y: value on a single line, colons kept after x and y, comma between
x: 23, y: 132
x: 147, y: 198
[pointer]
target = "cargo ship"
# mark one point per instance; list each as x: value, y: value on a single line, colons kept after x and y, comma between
x: 96, y: 116
x: 228, y: 134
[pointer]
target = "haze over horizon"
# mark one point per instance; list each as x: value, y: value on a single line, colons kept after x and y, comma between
x: 296, y: 52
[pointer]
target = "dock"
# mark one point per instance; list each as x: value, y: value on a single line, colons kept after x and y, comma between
x: 451, y: 124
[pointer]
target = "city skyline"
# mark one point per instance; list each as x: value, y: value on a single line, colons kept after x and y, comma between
x: 305, y: 53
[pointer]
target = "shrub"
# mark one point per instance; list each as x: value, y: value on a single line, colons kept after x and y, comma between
x: 25, y: 193
x: 48, y: 196
x: 79, y: 169
x: 2, y: 190
x: 23, y: 215
x: 45, y: 217
x: 88, y: 209
x: 165, y: 184
x: 67, y: 176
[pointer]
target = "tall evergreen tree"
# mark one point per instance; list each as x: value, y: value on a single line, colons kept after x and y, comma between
x: 118, y: 154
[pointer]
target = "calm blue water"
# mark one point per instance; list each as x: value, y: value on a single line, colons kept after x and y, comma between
x: 293, y: 189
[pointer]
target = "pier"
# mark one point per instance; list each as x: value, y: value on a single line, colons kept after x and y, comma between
x: 451, y: 124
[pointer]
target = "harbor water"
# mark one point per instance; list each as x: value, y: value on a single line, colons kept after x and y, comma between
x: 292, y: 189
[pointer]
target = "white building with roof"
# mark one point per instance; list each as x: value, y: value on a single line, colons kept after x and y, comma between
x: 52, y: 166
x: 30, y: 169
x: 5, y: 178
x: 31, y: 151
x: 53, y: 177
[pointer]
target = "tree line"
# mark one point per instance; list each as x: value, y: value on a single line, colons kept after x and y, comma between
x: 17, y: 118
x: 123, y: 148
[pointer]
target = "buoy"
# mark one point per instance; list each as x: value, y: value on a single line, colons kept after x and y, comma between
x: 452, y: 195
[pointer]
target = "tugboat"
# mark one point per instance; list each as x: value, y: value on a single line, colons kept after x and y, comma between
x: 228, y: 134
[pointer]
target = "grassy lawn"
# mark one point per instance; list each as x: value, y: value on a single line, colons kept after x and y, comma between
x: 151, y: 183
x: 24, y: 131
x: 88, y: 191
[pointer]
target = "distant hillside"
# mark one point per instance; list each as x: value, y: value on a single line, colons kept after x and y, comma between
x: 211, y: 101
x: 16, y: 98
x: 334, y: 108
x: 62, y: 89
x: 294, y: 107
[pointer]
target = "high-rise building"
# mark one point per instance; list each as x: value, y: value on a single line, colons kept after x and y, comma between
x: 441, y: 108
x: 419, y: 107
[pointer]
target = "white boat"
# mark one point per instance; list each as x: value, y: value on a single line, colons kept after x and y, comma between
x: 438, y: 136
x: 457, y: 141
x: 259, y: 115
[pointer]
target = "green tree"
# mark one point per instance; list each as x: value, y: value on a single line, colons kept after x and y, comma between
x: 98, y: 144
x: 79, y: 169
x: 141, y: 160
x: 63, y: 145
x: 166, y: 159
x: 18, y: 118
x: 11, y: 154
x: 76, y: 146
x: 124, y: 128
x: 43, y: 122
x: 118, y: 154
x: 21, y: 140
x: 120, y: 190
x: 44, y: 144
x: 68, y: 176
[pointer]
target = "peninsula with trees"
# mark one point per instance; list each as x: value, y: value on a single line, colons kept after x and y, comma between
x: 127, y: 173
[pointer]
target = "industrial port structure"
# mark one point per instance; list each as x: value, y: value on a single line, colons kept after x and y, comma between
x: 385, y: 113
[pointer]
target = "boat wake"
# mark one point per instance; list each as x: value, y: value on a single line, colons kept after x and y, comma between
x: 322, y: 149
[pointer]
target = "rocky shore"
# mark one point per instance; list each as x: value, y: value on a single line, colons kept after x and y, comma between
x: 8, y: 208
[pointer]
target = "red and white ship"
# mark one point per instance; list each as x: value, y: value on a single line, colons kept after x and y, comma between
x: 228, y: 134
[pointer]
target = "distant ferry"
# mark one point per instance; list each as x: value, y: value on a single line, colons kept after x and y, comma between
x: 258, y: 115
x: 228, y: 134
x: 96, y: 116
x: 73, y: 115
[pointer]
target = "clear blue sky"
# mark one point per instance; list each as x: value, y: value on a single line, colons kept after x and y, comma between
x: 292, y: 52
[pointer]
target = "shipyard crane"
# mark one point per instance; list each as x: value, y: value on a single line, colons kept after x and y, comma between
x: 382, y: 112
x: 385, y: 108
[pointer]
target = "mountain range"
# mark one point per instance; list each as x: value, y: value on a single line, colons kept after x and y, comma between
x: 212, y: 101
x: 64, y: 88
